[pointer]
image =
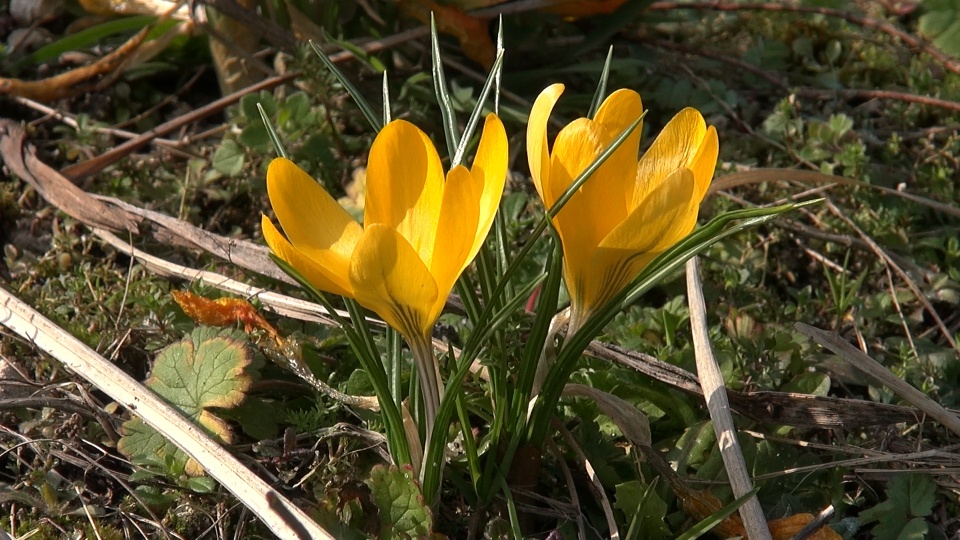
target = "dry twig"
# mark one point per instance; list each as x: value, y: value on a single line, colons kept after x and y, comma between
x: 282, y: 517
x: 717, y: 403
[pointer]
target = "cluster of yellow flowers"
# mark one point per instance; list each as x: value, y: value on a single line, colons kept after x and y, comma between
x: 422, y: 228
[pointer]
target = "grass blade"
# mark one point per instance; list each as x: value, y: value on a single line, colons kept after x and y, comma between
x: 358, y: 98
x: 440, y: 89
x: 274, y: 138
x: 601, y: 92
x: 477, y: 111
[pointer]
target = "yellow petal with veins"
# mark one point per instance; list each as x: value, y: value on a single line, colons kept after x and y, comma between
x: 405, y: 185
x: 456, y: 229
x: 662, y: 219
x: 312, y: 220
x: 388, y: 277
x: 538, y: 151
x: 705, y: 163
x: 319, y: 276
x: 615, y: 115
x: 676, y: 146
x: 604, y: 196
x: 489, y: 170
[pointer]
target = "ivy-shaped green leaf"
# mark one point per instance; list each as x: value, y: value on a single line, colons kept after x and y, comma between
x: 910, y: 498
x: 229, y: 158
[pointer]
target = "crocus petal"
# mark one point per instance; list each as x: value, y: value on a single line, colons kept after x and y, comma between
x: 538, y: 153
x: 615, y: 114
x: 313, y: 221
x: 332, y: 280
x: 649, y: 230
x: 675, y: 147
x: 456, y: 229
x: 405, y: 185
x: 705, y: 163
x: 489, y: 171
x: 663, y: 217
x: 605, y: 196
x: 388, y: 277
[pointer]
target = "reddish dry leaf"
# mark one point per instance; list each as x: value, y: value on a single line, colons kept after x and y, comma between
x: 701, y: 504
x: 469, y: 31
x: 223, y: 312
x: 786, y: 528
x: 472, y: 32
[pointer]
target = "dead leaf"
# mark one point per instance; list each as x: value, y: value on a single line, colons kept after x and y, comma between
x: 223, y: 312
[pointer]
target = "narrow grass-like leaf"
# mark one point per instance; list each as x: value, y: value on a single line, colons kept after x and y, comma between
x: 477, y: 112
x: 394, y: 365
x: 521, y: 255
x: 415, y: 402
x: 386, y: 99
x: 357, y: 51
x: 511, y: 509
x: 396, y: 441
x: 440, y: 89
x: 362, y: 330
x: 486, y: 271
x: 536, y: 341
x: 358, y: 98
x: 89, y: 36
x: 601, y: 92
x: 437, y: 444
x: 468, y: 295
x: 633, y: 532
x: 677, y: 255
x: 518, y: 401
x: 713, y: 520
x: 272, y: 133
x: 492, y: 319
x: 500, y: 243
x: 499, y: 74
x: 469, y: 444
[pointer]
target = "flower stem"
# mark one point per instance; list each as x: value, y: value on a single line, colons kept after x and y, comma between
x: 430, y: 386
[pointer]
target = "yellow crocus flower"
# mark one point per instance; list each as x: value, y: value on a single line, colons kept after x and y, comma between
x: 420, y: 230
x: 632, y: 209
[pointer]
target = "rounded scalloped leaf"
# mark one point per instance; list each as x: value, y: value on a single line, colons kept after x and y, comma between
x: 206, y: 369
x: 140, y: 442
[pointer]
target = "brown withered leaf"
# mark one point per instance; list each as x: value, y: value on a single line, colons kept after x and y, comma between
x: 223, y: 312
